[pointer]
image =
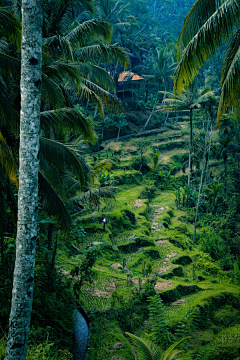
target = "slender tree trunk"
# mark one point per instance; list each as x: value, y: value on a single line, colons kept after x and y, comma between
x: 22, y: 294
x: 199, y: 194
x: 190, y: 149
x: 151, y: 114
x: 2, y: 252
x: 225, y: 173
x: 118, y: 133
x: 50, y: 235
x: 208, y: 157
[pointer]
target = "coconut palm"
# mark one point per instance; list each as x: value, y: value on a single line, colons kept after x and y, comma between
x: 120, y: 123
x: 147, y: 350
x: 207, y: 26
x: 31, y: 75
x: 67, y: 70
x: 161, y: 68
x: 189, y: 100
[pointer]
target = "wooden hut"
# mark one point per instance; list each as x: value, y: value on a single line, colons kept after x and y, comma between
x: 127, y: 83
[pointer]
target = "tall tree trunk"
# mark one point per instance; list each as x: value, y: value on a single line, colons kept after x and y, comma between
x: 50, y: 235
x: 118, y: 133
x: 190, y: 149
x: 225, y: 172
x: 208, y: 156
x: 199, y: 195
x: 151, y: 114
x: 2, y: 252
x: 31, y: 78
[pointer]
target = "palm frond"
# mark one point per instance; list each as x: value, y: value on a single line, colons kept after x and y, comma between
x: 97, y: 75
x: 9, y: 116
x: 56, y: 45
x: 7, y: 161
x: 145, y: 349
x: 10, y: 63
x: 52, y: 92
x: 52, y: 203
x: 69, y: 117
x: 195, y: 19
x: 92, y: 196
x: 53, y: 175
x: 10, y: 26
x: 88, y: 28
x: 63, y: 72
x: 171, y: 352
x: 109, y: 100
x: 216, y: 30
x: 102, y: 53
x: 230, y: 76
x: 7, y: 200
x: 102, y: 165
x: 65, y: 158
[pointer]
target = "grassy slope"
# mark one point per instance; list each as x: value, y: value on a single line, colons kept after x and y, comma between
x: 108, y: 300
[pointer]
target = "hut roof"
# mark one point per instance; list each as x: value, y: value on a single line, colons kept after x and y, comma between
x: 129, y: 76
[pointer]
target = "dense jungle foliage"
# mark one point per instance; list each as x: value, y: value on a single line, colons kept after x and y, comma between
x: 139, y: 182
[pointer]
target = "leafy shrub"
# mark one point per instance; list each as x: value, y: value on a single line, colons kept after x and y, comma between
x: 179, y: 240
x: 170, y: 213
x: 183, y: 229
x: 148, y: 192
x: 140, y: 165
x: 215, y: 246
x: 167, y: 219
x: 204, y: 262
x: 182, y: 260
x: 177, y: 271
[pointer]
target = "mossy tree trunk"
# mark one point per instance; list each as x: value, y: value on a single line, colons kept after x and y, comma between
x: 22, y: 294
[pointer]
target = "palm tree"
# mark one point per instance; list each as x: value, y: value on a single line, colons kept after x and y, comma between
x: 224, y: 148
x: 147, y: 350
x: 120, y: 123
x: 161, y: 68
x: 207, y: 26
x: 67, y: 71
x: 154, y: 160
x: 189, y: 100
x: 22, y: 294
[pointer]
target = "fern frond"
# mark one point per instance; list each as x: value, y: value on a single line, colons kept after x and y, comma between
x: 157, y: 320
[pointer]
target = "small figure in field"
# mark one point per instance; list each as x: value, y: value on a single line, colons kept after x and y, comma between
x: 119, y: 161
x: 104, y: 223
